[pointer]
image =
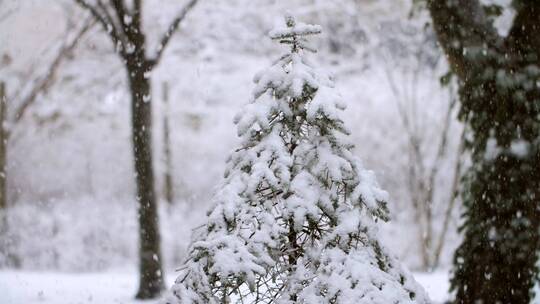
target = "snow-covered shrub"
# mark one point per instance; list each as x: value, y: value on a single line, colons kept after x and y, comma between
x: 70, y: 236
x: 87, y: 235
x: 294, y: 220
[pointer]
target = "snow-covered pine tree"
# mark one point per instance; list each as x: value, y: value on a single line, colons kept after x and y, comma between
x: 294, y: 219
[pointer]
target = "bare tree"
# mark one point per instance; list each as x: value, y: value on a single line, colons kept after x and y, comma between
x: 21, y: 101
x: 25, y: 97
x: 409, y: 56
x: 123, y: 24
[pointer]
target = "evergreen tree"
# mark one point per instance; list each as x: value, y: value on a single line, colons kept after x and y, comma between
x: 294, y: 220
x: 499, y: 79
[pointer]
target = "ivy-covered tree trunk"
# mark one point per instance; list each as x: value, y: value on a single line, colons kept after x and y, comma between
x: 500, y: 105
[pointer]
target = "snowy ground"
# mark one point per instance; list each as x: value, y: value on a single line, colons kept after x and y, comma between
x: 118, y: 287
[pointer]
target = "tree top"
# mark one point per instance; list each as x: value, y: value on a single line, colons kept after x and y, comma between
x: 294, y: 34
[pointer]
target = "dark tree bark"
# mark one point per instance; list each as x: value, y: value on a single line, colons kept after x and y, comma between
x: 500, y: 104
x: 4, y: 238
x: 150, y: 269
x: 124, y: 27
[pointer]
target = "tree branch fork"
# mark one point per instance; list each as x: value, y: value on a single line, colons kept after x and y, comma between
x: 123, y: 25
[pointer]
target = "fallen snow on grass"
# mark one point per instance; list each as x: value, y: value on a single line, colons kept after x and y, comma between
x: 118, y: 287
x: 18, y: 287
x: 435, y: 283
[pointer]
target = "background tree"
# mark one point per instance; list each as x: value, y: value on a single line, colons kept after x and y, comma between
x: 412, y: 65
x: 3, y: 142
x: 13, y: 108
x: 500, y: 98
x: 168, y: 189
x: 123, y: 24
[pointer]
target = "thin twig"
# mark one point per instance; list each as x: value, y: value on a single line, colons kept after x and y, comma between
x: 171, y: 30
x: 453, y: 199
x: 109, y: 26
x: 46, y: 81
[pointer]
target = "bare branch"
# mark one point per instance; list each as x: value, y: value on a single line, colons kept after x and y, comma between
x: 171, y: 30
x: 130, y: 23
x: 137, y: 9
x: 106, y: 21
x: 46, y: 81
x: 442, y: 146
x: 94, y: 12
x: 6, y: 14
x: 107, y: 16
x: 452, y: 201
x: 120, y: 11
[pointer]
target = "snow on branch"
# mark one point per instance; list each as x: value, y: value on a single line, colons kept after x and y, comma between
x: 294, y: 33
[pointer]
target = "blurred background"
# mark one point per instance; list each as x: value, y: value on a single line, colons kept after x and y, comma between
x: 70, y: 202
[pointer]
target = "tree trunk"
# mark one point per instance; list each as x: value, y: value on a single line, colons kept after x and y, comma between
x: 123, y: 22
x: 3, y: 150
x: 167, y: 179
x: 151, y: 274
x: 4, y: 237
x: 6, y: 242
x: 496, y: 262
x: 294, y: 253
